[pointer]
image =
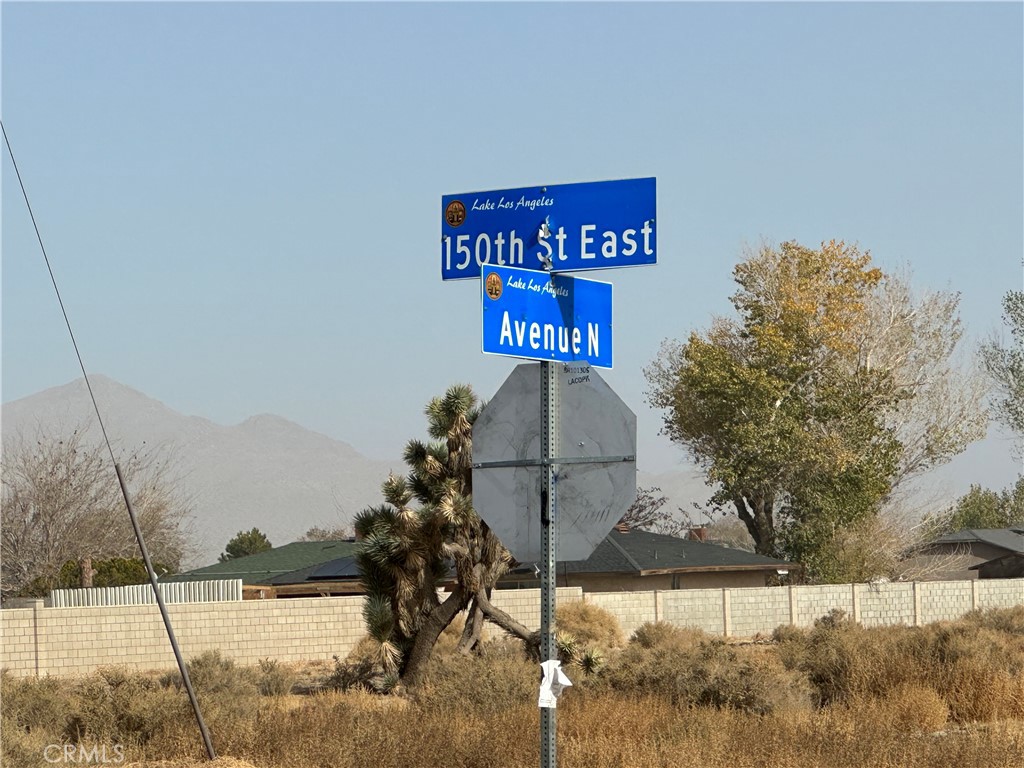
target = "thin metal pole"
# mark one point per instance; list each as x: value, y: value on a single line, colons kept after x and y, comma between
x: 549, y: 539
x: 117, y: 468
x: 163, y: 612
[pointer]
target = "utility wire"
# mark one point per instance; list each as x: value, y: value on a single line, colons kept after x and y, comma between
x: 182, y: 668
x: 56, y: 290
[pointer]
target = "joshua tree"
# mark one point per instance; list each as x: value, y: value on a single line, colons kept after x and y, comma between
x: 424, y: 534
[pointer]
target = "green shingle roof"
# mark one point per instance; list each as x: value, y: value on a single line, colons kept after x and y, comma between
x: 633, y: 551
x: 264, y: 566
x: 637, y: 551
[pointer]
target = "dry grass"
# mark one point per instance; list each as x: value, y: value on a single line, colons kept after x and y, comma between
x: 975, y: 668
x: 590, y: 625
x: 943, y: 695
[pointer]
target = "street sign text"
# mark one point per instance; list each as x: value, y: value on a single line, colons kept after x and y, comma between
x: 543, y: 316
x: 565, y: 228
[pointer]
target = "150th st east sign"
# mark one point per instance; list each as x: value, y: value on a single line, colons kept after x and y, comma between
x: 560, y: 227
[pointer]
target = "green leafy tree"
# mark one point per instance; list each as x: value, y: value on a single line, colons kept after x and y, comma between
x: 426, y: 530
x: 244, y: 543
x: 801, y: 409
x: 774, y: 406
x: 341, y: 532
x: 1005, y: 364
x: 980, y: 508
x: 110, y: 572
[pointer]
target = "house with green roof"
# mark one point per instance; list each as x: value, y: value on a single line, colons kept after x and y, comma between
x: 257, y: 571
x: 626, y: 560
x: 636, y: 560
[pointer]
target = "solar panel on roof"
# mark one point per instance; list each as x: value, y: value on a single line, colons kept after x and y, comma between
x: 340, y: 568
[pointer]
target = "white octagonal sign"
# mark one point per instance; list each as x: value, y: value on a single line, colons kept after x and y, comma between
x: 588, y: 498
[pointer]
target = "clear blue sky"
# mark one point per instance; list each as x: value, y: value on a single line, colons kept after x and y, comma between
x: 242, y: 201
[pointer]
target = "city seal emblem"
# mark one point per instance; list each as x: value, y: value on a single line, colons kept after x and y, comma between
x: 493, y: 286
x: 455, y: 213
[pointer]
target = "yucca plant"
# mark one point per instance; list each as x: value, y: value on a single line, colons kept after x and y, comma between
x: 426, y: 529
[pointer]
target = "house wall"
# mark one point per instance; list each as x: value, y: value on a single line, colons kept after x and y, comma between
x: 617, y: 582
x: 622, y: 582
x: 731, y: 580
x: 952, y: 562
x: 1007, y: 567
x: 71, y: 641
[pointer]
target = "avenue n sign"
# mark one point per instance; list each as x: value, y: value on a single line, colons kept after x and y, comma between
x: 558, y: 227
x: 547, y: 317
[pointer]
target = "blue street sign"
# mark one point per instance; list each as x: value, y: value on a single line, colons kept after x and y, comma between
x: 561, y: 227
x: 543, y: 316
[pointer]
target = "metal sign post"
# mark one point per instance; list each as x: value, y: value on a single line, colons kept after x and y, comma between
x: 549, y: 535
x: 551, y: 481
x: 501, y: 237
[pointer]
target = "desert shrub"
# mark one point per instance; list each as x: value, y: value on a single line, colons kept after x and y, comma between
x: 359, y: 670
x: 275, y: 678
x: 788, y: 635
x: 949, y: 642
x: 1007, y: 620
x: 977, y: 692
x: 679, y: 665
x: 829, y: 657
x: 21, y: 749
x: 112, y: 706
x: 34, y: 714
x: 976, y: 670
x: 907, y: 707
x: 348, y: 675
x: 228, y: 694
x: 121, y: 706
x: 590, y: 624
x: 663, y: 634
x: 31, y: 704
x: 215, y: 675
x: 834, y: 619
x: 499, y: 679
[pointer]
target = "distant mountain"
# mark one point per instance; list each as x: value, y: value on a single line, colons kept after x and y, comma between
x: 266, y: 472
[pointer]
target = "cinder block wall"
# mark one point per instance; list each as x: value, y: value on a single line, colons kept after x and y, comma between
x: 633, y: 609
x: 757, y: 611
x: 999, y: 593
x: 74, y: 641
x: 18, y: 647
x: 811, y: 603
x: 946, y: 600
x: 885, y: 604
x: 696, y: 608
x: 523, y: 605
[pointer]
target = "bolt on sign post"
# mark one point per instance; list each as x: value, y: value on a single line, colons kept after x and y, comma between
x: 555, y: 479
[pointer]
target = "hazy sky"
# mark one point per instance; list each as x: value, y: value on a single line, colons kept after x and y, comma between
x: 241, y: 201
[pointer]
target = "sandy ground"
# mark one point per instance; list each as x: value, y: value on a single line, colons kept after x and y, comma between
x: 220, y: 762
